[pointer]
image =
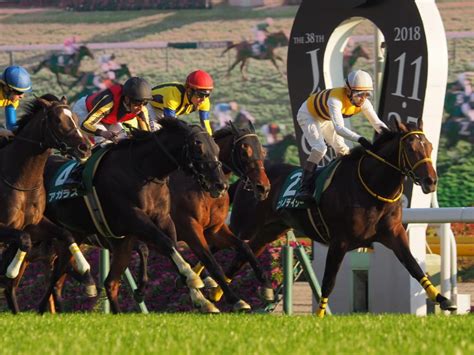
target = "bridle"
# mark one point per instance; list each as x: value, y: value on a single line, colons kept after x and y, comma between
x: 189, y: 164
x: 237, y: 164
x: 47, y: 131
x: 404, y: 166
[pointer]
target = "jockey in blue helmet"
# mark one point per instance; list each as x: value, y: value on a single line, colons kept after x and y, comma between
x: 14, y: 83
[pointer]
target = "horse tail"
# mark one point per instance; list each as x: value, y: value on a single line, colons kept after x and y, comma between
x: 229, y: 46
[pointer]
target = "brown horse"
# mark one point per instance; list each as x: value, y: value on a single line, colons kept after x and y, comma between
x: 132, y: 188
x: 65, y: 64
x: 200, y: 219
x: 47, y: 124
x: 361, y: 206
x: 245, y: 52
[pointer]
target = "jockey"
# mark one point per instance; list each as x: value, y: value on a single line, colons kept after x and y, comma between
x: 101, y: 113
x: 260, y: 31
x: 176, y: 99
x: 14, y: 83
x: 70, y: 48
x: 321, y: 117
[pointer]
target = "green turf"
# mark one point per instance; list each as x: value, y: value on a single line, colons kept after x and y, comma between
x: 235, y: 334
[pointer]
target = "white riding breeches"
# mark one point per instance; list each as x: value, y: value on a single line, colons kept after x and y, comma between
x: 81, y: 111
x: 317, y: 131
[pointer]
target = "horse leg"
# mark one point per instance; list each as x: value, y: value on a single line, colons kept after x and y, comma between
x: 121, y: 256
x: 163, y: 238
x: 242, y: 69
x: 334, y: 259
x: 232, y: 66
x: 48, y: 228
x: 40, y: 66
x: 59, y: 270
x: 397, y: 241
x: 23, y: 240
x: 194, y: 237
x: 59, y: 82
x: 275, y: 64
x: 225, y: 239
x: 143, y: 253
x: 11, y: 285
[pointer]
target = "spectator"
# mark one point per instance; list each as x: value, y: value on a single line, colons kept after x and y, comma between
x: 223, y: 112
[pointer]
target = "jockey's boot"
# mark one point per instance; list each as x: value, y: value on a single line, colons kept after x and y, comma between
x: 305, y: 193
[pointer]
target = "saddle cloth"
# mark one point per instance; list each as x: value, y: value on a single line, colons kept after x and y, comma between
x: 323, y: 178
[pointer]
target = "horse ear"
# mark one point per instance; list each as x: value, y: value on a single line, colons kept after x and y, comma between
x: 233, y: 127
x: 44, y: 102
x: 251, y: 126
x: 420, y: 124
x: 400, y: 125
x: 63, y: 100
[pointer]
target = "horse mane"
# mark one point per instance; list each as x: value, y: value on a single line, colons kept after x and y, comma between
x: 228, y: 130
x: 32, y: 108
x: 379, y: 141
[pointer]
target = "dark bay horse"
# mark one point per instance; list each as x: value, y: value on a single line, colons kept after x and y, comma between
x: 351, y: 57
x: 47, y: 124
x: 458, y: 129
x: 245, y: 52
x: 276, y: 151
x: 361, y: 206
x: 132, y: 188
x: 65, y: 64
x: 200, y: 219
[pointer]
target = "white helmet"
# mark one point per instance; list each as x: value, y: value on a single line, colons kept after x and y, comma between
x: 359, y: 80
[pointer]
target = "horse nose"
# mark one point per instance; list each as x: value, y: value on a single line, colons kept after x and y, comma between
x: 262, y: 191
x: 430, y: 183
x: 222, y: 186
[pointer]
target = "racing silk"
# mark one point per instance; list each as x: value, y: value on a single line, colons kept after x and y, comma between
x: 10, y: 109
x: 334, y: 105
x: 170, y: 100
x: 107, y: 107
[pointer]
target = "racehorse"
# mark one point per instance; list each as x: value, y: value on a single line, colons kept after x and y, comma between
x: 350, y: 58
x: 458, y: 129
x: 47, y: 124
x: 245, y: 52
x: 65, y: 64
x: 132, y: 189
x: 86, y: 81
x: 200, y: 219
x: 360, y: 206
x: 276, y: 151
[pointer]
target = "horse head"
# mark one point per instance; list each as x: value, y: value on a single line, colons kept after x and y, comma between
x: 242, y: 153
x: 277, y: 39
x: 122, y: 71
x: 409, y: 153
x: 84, y: 51
x: 59, y: 127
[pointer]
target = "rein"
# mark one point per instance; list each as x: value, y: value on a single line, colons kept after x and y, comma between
x: 402, y: 159
x: 237, y: 167
x: 40, y: 143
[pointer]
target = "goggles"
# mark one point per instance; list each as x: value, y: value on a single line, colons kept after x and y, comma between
x: 362, y: 94
x: 15, y: 92
x: 202, y: 94
x: 139, y: 102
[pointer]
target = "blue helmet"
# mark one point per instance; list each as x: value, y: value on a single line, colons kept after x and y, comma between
x: 17, y: 78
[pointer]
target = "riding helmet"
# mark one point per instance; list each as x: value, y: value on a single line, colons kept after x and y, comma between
x: 137, y: 89
x: 17, y: 78
x: 200, y: 80
x: 359, y: 80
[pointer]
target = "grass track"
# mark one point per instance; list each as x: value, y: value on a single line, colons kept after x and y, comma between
x: 235, y: 334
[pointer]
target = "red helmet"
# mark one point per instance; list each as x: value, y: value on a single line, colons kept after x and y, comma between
x: 200, y: 80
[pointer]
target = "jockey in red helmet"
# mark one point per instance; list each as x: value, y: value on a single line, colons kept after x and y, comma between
x: 175, y: 99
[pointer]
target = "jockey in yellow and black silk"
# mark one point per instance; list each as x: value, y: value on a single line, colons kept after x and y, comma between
x: 102, y: 113
x: 175, y: 99
x: 14, y: 83
x: 321, y: 118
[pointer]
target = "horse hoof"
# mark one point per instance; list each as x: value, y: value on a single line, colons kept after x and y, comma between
x: 447, y: 305
x: 210, y: 283
x: 91, y: 291
x: 209, y: 308
x: 194, y: 282
x: 267, y: 294
x: 241, y: 306
x: 215, y: 294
